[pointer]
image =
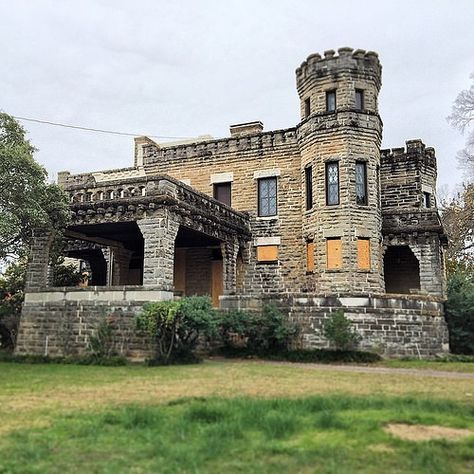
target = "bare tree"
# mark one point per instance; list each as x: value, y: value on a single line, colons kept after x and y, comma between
x: 462, y: 118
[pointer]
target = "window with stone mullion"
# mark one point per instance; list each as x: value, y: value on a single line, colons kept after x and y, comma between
x: 267, y: 197
x: 332, y: 183
x: 361, y: 183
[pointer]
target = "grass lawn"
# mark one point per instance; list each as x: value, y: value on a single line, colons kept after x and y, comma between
x: 467, y: 367
x: 227, y: 417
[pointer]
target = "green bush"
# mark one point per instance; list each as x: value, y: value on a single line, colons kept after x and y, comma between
x: 460, y: 312
x: 256, y: 333
x: 338, y: 331
x: 176, y: 326
x: 101, y: 343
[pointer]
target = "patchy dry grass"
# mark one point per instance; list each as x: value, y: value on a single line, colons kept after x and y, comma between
x: 29, y: 394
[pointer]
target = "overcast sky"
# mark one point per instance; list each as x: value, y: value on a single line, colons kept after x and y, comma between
x: 187, y: 68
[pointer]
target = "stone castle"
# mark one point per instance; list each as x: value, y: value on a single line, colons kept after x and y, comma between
x: 315, y: 217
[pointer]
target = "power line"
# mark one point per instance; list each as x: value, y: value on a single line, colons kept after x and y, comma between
x: 97, y: 130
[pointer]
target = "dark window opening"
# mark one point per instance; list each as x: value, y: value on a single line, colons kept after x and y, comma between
x: 332, y: 183
x: 331, y: 101
x: 427, y: 200
x: 307, y: 107
x: 223, y: 193
x: 401, y: 270
x: 267, y: 197
x: 308, y: 174
x: 361, y: 182
x: 359, y: 99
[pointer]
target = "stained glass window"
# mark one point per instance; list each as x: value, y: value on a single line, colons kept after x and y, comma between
x: 361, y: 183
x: 267, y: 197
x: 332, y: 183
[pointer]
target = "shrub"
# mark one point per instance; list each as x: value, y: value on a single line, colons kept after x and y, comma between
x: 101, y: 343
x: 260, y: 333
x: 176, y: 326
x: 460, y: 312
x: 339, y: 332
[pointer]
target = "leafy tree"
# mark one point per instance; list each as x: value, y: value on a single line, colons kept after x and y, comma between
x: 338, y: 330
x: 458, y: 222
x: 460, y: 311
x: 27, y: 201
x: 462, y: 118
x: 12, y: 284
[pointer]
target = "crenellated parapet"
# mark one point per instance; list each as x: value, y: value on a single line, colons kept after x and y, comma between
x: 249, y: 143
x: 331, y: 62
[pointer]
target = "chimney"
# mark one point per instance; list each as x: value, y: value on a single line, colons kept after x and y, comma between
x: 244, y: 129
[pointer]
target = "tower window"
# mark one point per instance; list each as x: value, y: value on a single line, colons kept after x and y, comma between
x: 359, y: 99
x: 308, y: 176
x: 310, y: 256
x: 267, y: 197
x: 333, y: 253
x: 363, y: 253
x: 332, y: 183
x: 427, y: 200
x: 361, y: 182
x: 307, y: 107
x: 331, y: 101
x: 223, y: 192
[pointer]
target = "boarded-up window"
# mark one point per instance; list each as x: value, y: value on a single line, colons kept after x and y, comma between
x: 363, y: 254
x: 267, y: 253
x: 334, y: 253
x: 310, y: 257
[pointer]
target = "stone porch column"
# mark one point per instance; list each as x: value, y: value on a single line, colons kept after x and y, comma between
x: 159, y: 233
x: 38, y: 261
x: 230, y: 250
x: 121, y: 261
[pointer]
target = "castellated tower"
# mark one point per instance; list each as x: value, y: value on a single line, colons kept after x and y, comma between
x: 339, y: 137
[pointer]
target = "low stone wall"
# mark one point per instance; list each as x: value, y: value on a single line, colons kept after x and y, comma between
x: 60, y: 321
x: 392, y: 325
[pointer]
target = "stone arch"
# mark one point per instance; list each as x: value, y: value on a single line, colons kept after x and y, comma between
x: 401, y: 270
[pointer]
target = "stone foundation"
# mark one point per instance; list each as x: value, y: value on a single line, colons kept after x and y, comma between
x: 392, y: 325
x: 57, y: 322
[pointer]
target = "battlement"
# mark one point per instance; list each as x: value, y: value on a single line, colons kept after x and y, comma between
x: 346, y: 59
x: 413, y: 149
x: 257, y: 140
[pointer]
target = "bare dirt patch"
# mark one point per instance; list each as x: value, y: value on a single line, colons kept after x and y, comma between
x: 426, y: 433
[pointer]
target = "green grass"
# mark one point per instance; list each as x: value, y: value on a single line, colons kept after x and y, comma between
x: 226, y: 416
x: 327, y: 434
x: 448, y: 366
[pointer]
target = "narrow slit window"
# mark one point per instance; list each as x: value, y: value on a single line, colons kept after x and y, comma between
x: 363, y: 253
x: 331, y: 101
x: 308, y: 175
x: 427, y: 200
x: 267, y: 197
x: 223, y: 193
x: 307, y: 107
x: 310, y: 256
x: 332, y: 183
x: 359, y: 99
x: 334, y: 253
x: 361, y: 183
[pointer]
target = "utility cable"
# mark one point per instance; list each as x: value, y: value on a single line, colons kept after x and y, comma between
x: 97, y: 130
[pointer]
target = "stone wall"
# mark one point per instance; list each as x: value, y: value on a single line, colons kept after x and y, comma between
x: 393, y: 326
x: 60, y: 322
